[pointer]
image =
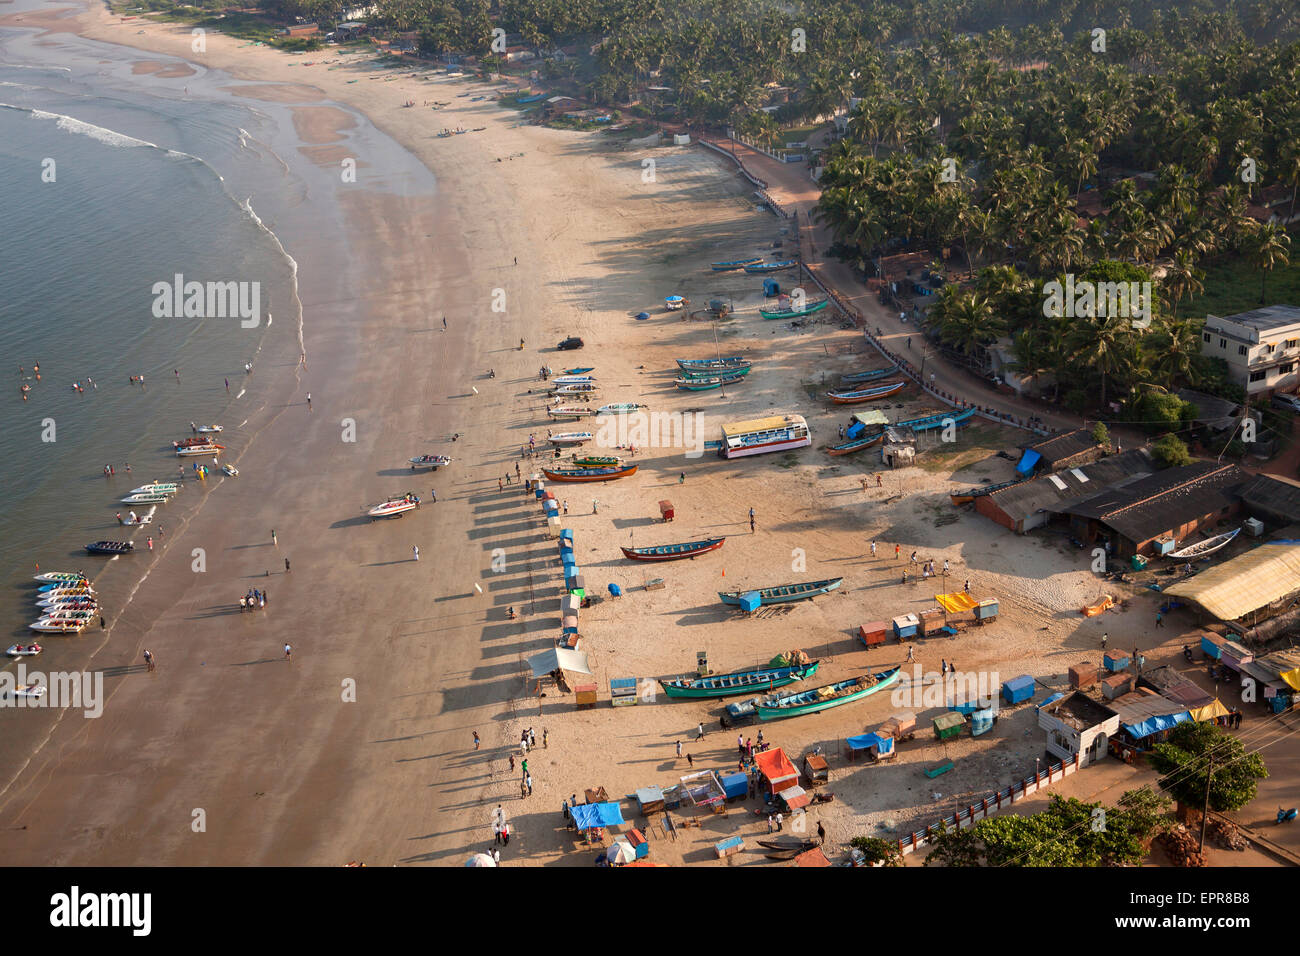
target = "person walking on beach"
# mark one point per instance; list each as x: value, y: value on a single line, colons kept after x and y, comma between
x: 1104, y: 639
x: 500, y: 485
x: 227, y: 385
x: 286, y: 565
x: 288, y: 653
x: 496, y: 856
x: 681, y: 479
x: 751, y: 520
x: 532, y: 739
x: 699, y: 734
x: 512, y: 763
x: 821, y: 833
x: 1160, y: 619
x: 873, y: 548
x: 444, y: 323
x: 274, y: 540
x: 476, y: 740
x: 690, y: 761
x: 897, y: 552
x: 910, y: 657
x: 433, y: 495
x: 771, y: 823
x: 149, y: 661
x: 516, y: 471
x: 545, y: 745
x: 679, y: 750
x: 528, y: 782
x: 309, y: 401
x: 904, y: 575
x: 595, y: 506
x: 967, y: 588
x: 102, y: 625
x: 149, y: 541
x: 415, y: 549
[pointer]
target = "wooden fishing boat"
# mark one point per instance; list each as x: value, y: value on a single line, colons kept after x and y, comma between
x: 705, y: 384
x: 713, y: 365
x: 588, y: 389
x: 395, y: 506
x: 193, y: 450
x: 857, y: 378
x: 856, y: 444
x: 808, y: 309
x: 937, y: 420
x: 596, y: 461
x: 429, y: 461
x: 58, y: 577
x: 572, y: 380
x: 1202, y: 548
x: 761, y: 267
x: 824, y: 697
x: 621, y: 408
x: 570, y: 411
x: 579, y: 371
x: 24, y: 650
x: 741, y: 682
x: 784, y: 593
x: 191, y: 442
x: 589, y: 474
x: 783, y: 846
x: 570, y: 438
x: 674, y: 552
x: 966, y: 497
x: 713, y: 372
x: 110, y: 547
x: 866, y: 394
x: 735, y: 264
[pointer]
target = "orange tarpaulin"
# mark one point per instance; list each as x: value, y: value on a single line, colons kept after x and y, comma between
x: 776, y: 769
x: 957, y: 601
x: 1092, y: 610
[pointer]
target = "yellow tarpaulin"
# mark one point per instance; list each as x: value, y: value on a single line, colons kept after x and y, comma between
x: 1292, y: 678
x: 957, y: 601
x: 1092, y: 610
x: 1209, y: 711
x: 1245, y: 583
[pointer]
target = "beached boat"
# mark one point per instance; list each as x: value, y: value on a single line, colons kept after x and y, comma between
x: 705, y: 384
x: 24, y: 650
x: 866, y: 394
x: 579, y: 371
x: 674, y: 552
x: 966, y: 497
x: 572, y: 380
x: 741, y: 682
x: 230, y: 470
x: 784, y: 593
x: 110, y: 547
x: 68, y: 614
x: 146, y: 498
x: 937, y: 420
x: 824, y: 697
x: 570, y: 438
x: 590, y: 474
x: 857, y: 378
x: 160, y: 487
x: 808, y: 309
x: 738, y: 370
x: 570, y: 411
x: 395, y: 506
x: 760, y: 267
x: 66, y: 587
x: 596, y: 461
x: 207, y: 429
x: 583, y: 388
x: 32, y: 691
x: 429, y: 461
x: 57, y: 577
x: 1202, y: 548
x: 621, y: 408
x: 713, y: 365
x: 136, y: 521
x: 191, y: 442
x: 856, y: 444
x: 47, y: 626
x: 193, y: 450
x: 763, y: 435
x: 735, y: 264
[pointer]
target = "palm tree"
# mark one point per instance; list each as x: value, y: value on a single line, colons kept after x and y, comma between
x: 1183, y: 278
x: 1103, y: 344
x: 1266, y: 248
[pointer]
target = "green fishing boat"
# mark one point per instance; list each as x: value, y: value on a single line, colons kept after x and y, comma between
x: 824, y: 697
x: 808, y: 309
x: 741, y: 682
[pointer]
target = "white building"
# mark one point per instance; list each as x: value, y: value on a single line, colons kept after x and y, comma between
x: 1261, y: 347
x: 1077, y: 724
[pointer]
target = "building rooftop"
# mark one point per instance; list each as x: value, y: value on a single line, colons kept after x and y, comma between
x: 1273, y: 494
x: 1065, y: 445
x: 1145, y: 508
x: 1268, y: 319
x: 1051, y: 492
x: 1245, y: 583
x: 1078, y: 711
x: 1218, y: 413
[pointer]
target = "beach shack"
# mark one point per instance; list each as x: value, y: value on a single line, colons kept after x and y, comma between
x: 591, y: 819
x: 1018, y: 689
x: 949, y: 725
x: 735, y: 786
x: 650, y: 800
x: 704, y: 789
x: 816, y: 769
x: 873, y: 633
x: 1077, y: 724
x: 906, y: 626
x: 775, y: 770
x: 1145, y: 718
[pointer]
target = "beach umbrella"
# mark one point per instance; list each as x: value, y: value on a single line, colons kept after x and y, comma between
x: 621, y: 852
x: 481, y: 859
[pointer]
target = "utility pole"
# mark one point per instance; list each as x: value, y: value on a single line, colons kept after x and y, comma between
x: 1205, y: 807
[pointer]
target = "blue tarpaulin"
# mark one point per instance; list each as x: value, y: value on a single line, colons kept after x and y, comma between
x: 1153, y: 725
x: 1051, y: 700
x: 886, y: 745
x: 1018, y: 689
x: 981, y: 721
x: 856, y: 429
x: 866, y: 741
x: 590, y: 815
x: 735, y: 785
x: 615, y: 591
x: 1028, y: 461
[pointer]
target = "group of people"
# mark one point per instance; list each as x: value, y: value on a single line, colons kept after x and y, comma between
x: 253, y: 600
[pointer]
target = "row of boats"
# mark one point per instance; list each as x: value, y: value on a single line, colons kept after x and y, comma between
x: 66, y: 604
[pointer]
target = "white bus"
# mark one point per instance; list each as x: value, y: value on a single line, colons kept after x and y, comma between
x: 777, y: 433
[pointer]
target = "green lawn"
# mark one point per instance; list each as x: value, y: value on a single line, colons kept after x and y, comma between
x: 1233, y: 287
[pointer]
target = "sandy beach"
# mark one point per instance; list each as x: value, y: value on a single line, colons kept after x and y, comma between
x: 362, y: 747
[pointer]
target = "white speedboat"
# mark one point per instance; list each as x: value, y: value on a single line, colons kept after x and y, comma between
x: 70, y: 592
x: 571, y: 438
x: 58, y: 576
x: 66, y: 600
x: 193, y: 451
x: 209, y: 429
x: 395, y: 507
x: 157, y: 488
x: 54, y: 614
x: 230, y: 470
x: 146, y: 498
x: 570, y: 411
x: 24, y: 650
x: 58, y: 626
x: 429, y: 461
x: 136, y: 520
x: 31, y: 691
x: 573, y: 380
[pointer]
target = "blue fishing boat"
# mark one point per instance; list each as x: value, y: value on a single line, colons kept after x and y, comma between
x: 856, y: 444
x: 688, y: 384
x: 742, y: 369
x: 734, y: 264
x: 674, y: 552
x: 937, y: 420
x: 762, y: 267
x: 824, y: 697
x: 784, y: 593
x: 713, y: 365
x: 857, y: 378
x: 866, y: 394
x: 578, y: 371
x: 741, y: 682
x: 530, y: 99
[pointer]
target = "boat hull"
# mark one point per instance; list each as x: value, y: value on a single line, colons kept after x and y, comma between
x: 735, y: 264
x: 857, y: 378
x: 713, y: 687
x: 866, y: 395
x: 762, y: 267
x: 690, y: 550
x: 687, y: 365
x: 857, y: 444
x: 784, y: 594
x: 1202, y: 548
x: 937, y: 421
x: 794, y: 313
x: 589, y: 474
x: 769, y: 712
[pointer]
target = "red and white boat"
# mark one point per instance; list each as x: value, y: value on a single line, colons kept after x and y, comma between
x: 24, y: 650
x: 395, y: 507
x: 762, y: 435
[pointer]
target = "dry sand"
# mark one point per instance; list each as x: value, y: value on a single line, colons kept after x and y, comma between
x: 290, y: 773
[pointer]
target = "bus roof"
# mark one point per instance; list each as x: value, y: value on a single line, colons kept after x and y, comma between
x: 762, y: 424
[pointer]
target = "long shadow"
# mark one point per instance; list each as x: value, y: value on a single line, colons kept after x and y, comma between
x: 353, y: 522
x: 264, y: 660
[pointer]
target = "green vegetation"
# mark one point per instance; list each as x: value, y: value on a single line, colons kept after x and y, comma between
x: 1068, y: 833
x: 876, y: 850
x: 1184, y: 762
x: 1171, y: 451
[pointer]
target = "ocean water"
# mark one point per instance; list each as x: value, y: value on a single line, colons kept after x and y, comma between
x: 108, y: 187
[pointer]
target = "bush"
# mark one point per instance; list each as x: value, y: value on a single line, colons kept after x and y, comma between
x: 1101, y: 434
x: 1076, y: 399
x: 876, y: 850
x: 1171, y: 451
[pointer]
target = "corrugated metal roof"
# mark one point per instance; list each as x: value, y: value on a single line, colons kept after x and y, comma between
x: 1246, y: 583
x: 1065, y: 445
x: 1145, y: 508
x: 1273, y: 494
x: 1042, y: 494
x: 1139, y: 706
